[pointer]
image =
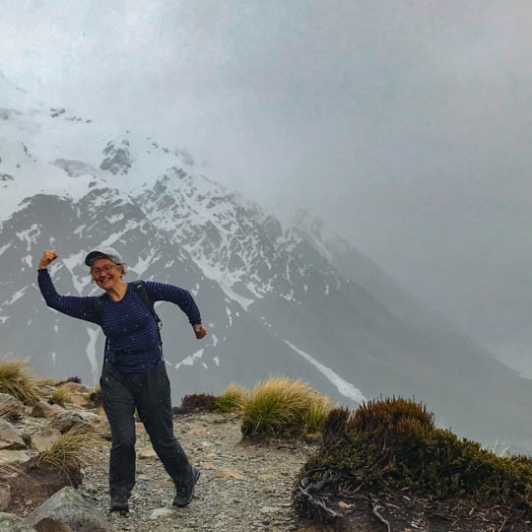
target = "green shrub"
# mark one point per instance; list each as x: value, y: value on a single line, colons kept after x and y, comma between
x: 395, y: 441
x: 196, y: 402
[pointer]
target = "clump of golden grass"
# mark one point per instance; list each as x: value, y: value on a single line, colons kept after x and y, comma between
x: 232, y: 399
x: 17, y: 379
x: 66, y: 454
x: 48, y: 381
x: 60, y: 396
x: 317, y: 413
x: 280, y: 407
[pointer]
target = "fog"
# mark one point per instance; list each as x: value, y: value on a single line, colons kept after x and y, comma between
x: 404, y: 125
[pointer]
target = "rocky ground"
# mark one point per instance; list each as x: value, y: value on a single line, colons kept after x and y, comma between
x: 242, y: 487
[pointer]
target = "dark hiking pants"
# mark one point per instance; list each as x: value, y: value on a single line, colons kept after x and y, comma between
x: 149, y: 393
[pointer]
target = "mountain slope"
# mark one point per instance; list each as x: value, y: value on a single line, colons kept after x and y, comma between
x: 276, y: 299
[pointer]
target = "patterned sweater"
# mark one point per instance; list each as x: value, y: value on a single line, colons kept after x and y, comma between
x: 129, y: 326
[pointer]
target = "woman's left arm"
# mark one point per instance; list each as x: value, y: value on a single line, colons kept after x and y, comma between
x: 182, y: 298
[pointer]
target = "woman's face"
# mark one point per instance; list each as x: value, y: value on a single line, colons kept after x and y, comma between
x: 106, y: 273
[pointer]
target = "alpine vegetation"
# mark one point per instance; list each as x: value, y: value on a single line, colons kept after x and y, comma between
x: 391, y: 449
x: 232, y: 399
x: 279, y: 407
x: 17, y: 379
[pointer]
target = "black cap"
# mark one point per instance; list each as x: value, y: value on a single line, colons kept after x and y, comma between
x: 103, y: 253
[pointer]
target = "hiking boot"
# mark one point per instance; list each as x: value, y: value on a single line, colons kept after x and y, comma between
x: 184, y: 494
x: 119, y: 503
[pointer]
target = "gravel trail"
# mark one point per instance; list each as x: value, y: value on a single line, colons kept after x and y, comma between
x: 242, y: 487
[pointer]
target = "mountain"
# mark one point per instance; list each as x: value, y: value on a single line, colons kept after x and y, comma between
x: 277, y: 298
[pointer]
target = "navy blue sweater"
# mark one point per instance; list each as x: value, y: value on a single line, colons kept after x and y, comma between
x: 130, y: 328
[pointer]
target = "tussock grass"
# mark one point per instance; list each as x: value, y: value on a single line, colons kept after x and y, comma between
x: 17, y: 379
x: 280, y: 407
x: 66, y: 455
x: 232, y: 399
x: 316, y: 414
x: 48, y: 381
x: 60, y: 396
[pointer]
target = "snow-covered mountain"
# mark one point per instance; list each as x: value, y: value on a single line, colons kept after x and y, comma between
x: 276, y: 298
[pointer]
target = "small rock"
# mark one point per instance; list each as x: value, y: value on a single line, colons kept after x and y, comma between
x: 11, y: 408
x: 67, y: 420
x: 162, y: 512
x: 229, y: 474
x: 13, y: 523
x: 46, y: 410
x: 147, y: 452
x: 268, y: 509
x: 5, y: 496
x: 165, y: 484
x: 75, y: 387
x: 8, y: 457
x: 9, y: 438
x: 43, y: 440
x: 78, y: 400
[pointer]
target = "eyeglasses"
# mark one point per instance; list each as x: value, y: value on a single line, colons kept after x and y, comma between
x: 106, y: 269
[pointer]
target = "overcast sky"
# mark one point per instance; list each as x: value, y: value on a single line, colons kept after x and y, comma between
x: 405, y: 124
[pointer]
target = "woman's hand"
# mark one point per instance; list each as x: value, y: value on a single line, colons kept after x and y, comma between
x: 200, y: 331
x: 47, y: 258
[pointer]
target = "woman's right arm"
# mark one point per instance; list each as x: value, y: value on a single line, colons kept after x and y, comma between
x: 77, y: 307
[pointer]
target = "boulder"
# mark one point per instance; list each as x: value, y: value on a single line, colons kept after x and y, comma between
x: 11, y: 408
x: 14, y: 523
x: 44, y: 409
x: 9, y: 438
x: 44, y: 439
x: 99, y: 424
x: 68, y: 511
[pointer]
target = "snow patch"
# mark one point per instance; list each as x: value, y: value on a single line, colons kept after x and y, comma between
x: 91, y: 351
x: 343, y: 387
x: 189, y: 361
x: 4, y: 247
x: 16, y: 296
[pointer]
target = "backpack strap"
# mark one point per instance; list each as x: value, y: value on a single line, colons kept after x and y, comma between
x: 98, y: 304
x: 142, y: 291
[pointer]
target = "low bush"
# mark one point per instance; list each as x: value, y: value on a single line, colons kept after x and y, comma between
x: 196, y: 402
x: 17, y: 379
x: 395, y: 442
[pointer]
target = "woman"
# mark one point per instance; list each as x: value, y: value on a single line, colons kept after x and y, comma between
x: 134, y: 373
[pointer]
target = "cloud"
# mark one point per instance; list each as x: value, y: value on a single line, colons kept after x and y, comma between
x: 404, y: 124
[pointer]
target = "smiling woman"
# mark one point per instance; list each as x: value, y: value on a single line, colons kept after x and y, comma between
x: 134, y: 373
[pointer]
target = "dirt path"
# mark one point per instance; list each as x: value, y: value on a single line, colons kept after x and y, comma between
x: 241, y: 488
